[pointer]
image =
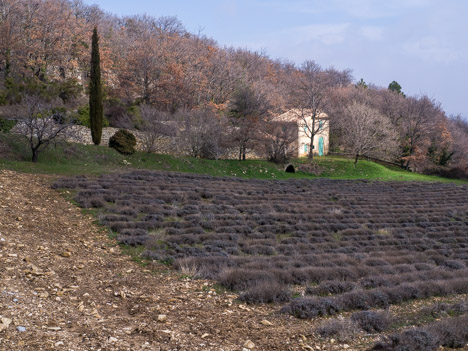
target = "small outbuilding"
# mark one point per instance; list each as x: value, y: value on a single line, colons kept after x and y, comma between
x: 304, y: 120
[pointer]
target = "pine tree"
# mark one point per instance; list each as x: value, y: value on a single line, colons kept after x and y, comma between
x: 95, y: 91
x: 395, y: 87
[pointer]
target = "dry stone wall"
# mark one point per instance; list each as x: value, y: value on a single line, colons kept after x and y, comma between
x: 82, y: 135
x: 162, y: 144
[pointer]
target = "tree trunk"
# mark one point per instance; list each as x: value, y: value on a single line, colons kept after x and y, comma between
x: 356, y: 160
x: 311, y: 147
x: 34, y: 155
x: 7, y: 65
x: 146, y: 97
x: 312, y: 136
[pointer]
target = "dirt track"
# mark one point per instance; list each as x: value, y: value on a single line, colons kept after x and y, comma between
x: 69, y: 286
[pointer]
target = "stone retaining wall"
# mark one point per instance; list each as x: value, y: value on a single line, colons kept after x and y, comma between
x: 162, y: 145
x: 82, y: 135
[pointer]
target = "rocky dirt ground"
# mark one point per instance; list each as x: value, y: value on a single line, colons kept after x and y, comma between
x: 65, y: 285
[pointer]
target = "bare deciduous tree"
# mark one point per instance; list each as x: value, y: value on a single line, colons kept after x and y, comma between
x: 200, y: 133
x: 368, y: 132
x: 420, y: 115
x: 310, y: 97
x: 248, y: 107
x: 38, y: 122
x: 156, y: 126
x: 278, y: 138
x: 459, y: 130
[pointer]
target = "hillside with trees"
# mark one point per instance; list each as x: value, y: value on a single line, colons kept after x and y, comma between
x: 193, y: 230
x: 157, y: 77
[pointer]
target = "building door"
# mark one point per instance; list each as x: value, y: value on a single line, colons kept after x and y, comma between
x: 320, y: 150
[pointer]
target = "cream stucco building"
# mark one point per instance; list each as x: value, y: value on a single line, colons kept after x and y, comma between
x: 303, y: 119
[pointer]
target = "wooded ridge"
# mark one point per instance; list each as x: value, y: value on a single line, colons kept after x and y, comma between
x: 156, y: 63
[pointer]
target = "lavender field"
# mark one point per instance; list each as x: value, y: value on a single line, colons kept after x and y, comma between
x: 317, y: 247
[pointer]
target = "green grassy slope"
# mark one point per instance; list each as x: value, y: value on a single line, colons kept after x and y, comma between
x: 343, y: 168
x: 94, y: 160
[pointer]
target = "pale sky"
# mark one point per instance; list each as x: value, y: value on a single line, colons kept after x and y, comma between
x: 422, y: 44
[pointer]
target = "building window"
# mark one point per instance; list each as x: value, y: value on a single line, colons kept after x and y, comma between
x: 306, y: 148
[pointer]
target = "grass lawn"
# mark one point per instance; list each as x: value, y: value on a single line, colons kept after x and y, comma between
x: 336, y: 167
x: 78, y: 159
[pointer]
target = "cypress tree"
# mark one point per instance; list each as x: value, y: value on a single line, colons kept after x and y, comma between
x: 95, y: 91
